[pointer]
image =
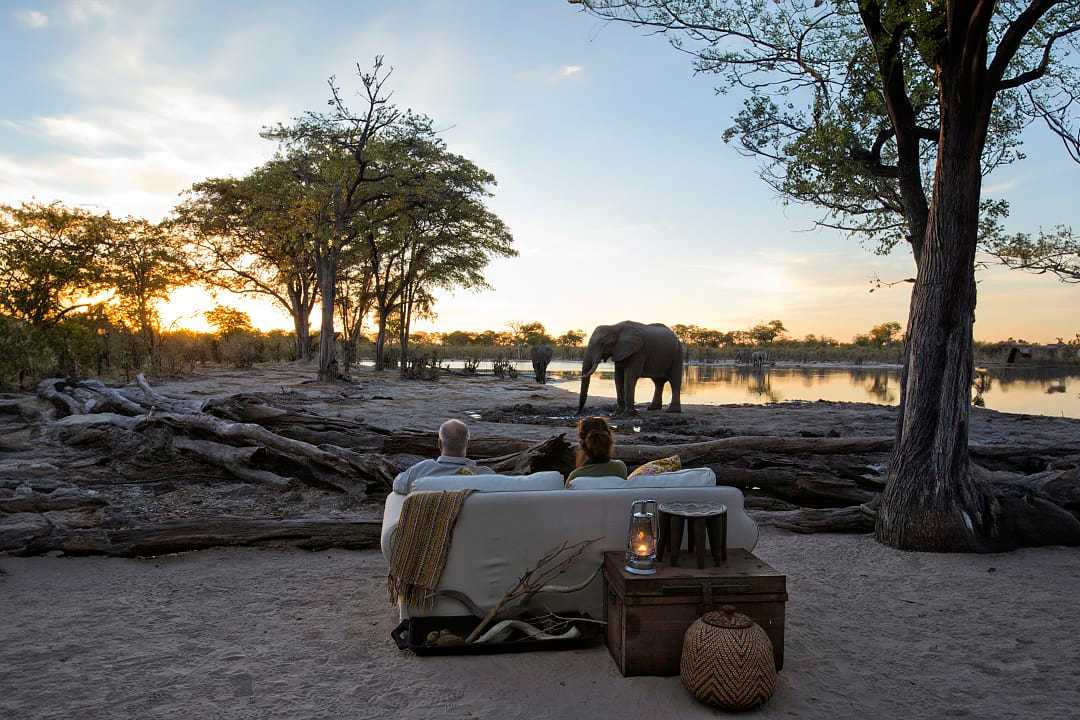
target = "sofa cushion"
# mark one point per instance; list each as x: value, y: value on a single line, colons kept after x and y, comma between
x: 548, y: 480
x: 692, y: 477
x: 656, y: 467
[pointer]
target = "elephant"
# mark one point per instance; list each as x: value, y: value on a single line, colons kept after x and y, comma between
x: 759, y: 358
x: 639, y: 351
x: 541, y: 356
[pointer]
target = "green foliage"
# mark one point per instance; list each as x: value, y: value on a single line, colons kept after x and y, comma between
x: 571, y: 339
x: 530, y: 333
x: 227, y: 320
x: 816, y: 77
x: 1055, y: 251
x: 256, y: 234
x: 883, y: 335
x: 49, y: 261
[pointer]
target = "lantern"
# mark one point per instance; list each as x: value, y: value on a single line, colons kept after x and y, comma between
x: 641, y: 538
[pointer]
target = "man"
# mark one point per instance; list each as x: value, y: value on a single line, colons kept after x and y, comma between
x: 453, y: 446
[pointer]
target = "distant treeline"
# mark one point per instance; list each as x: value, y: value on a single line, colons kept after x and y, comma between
x: 97, y: 342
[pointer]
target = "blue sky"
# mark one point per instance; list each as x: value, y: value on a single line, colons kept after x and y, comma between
x: 623, y: 198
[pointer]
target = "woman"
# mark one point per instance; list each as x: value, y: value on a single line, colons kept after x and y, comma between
x: 595, y: 443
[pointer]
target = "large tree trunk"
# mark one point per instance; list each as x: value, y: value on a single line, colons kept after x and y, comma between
x: 380, y: 340
x: 931, y: 501
x: 300, y: 309
x: 328, y: 364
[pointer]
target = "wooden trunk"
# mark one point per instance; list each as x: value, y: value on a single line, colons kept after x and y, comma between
x: 648, y: 615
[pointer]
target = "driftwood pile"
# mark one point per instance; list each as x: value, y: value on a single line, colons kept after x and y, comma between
x: 83, y: 470
x: 102, y: 437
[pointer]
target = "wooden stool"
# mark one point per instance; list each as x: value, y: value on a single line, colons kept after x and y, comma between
x: 699, y: 519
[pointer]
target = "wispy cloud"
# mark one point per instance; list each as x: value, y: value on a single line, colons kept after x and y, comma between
x: 1003, y: 186
x: 570, y: 70
x: 83, y: 10
x: 33, y: 19
x: 136, y: 133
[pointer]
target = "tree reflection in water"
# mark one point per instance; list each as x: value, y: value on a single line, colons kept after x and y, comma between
x: 1040, y: 391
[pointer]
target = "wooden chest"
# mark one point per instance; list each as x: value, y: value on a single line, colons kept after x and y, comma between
x: 648, y: 615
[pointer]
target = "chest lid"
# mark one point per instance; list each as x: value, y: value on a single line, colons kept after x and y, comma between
x: 742, y: 574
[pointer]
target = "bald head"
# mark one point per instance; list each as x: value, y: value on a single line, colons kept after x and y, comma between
x: 454, y: 438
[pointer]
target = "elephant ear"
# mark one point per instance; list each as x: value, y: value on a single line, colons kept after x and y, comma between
x: 630, y: 341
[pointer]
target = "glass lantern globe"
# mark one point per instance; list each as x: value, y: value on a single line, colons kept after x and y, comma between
x: 641, y: 538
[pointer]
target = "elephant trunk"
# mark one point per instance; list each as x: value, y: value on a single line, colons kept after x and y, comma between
x: 589, y: 364
x: 584, y: 393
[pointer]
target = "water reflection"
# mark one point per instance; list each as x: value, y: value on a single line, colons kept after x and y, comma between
x: 1036, y: 391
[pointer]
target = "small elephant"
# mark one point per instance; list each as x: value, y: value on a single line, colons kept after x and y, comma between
x: 759, y: 358
x: 639, y: 351
x: 541, y: 356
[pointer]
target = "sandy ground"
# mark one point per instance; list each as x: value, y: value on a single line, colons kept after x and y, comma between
x: 872, y: 633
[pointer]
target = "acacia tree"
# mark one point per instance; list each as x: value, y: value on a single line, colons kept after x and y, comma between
x: 49, y: 261
x: 142, y: 262
x: 436, y: 232
x: 256, y: 236
x: 333, y: 152
x: 860, y: 106
x: 451, y: 236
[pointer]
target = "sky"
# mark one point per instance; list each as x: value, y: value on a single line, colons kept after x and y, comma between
x: 624, y: 201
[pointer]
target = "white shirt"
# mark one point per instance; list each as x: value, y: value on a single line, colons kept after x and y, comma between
x: 444, y: 465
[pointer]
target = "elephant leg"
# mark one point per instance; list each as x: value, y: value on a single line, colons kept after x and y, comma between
x: 620, y: 394
x: 676, y: 390
x: 628, y: 392
x: 658, y: 395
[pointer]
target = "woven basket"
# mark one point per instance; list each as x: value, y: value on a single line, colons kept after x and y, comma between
x: 727, y: 661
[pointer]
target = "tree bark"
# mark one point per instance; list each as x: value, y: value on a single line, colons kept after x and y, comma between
x: 931, y: 501
x: 380, y: 339
x: 300, y: 310
x: 328, y: 365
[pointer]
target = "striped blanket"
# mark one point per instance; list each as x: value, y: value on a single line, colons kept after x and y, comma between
x: 421, y: 544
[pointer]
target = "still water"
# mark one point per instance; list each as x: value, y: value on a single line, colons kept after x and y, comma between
x: 1035, y: 391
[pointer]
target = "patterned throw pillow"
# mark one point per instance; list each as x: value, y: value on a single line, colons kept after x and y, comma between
x: 655, y: 467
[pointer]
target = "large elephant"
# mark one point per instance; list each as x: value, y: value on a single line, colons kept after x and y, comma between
x: 638, y: 350
x: 541, y: 356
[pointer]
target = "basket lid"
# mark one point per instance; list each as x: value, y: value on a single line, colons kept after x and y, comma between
x: 727, y: 618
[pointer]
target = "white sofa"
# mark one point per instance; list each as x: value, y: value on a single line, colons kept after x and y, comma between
x: 500, y: 535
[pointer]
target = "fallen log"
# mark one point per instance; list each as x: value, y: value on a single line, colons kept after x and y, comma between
x: 51, y: 389
x: 293, y: 422
x: 353, y: 532
x: 555, y: 453
x: 108, y: 400
x: 810, y: 486
x: 279, y: 455
x: 27, y: 500
x: 153, y: 400
x: 853, y: 519
x: 239, y: 461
